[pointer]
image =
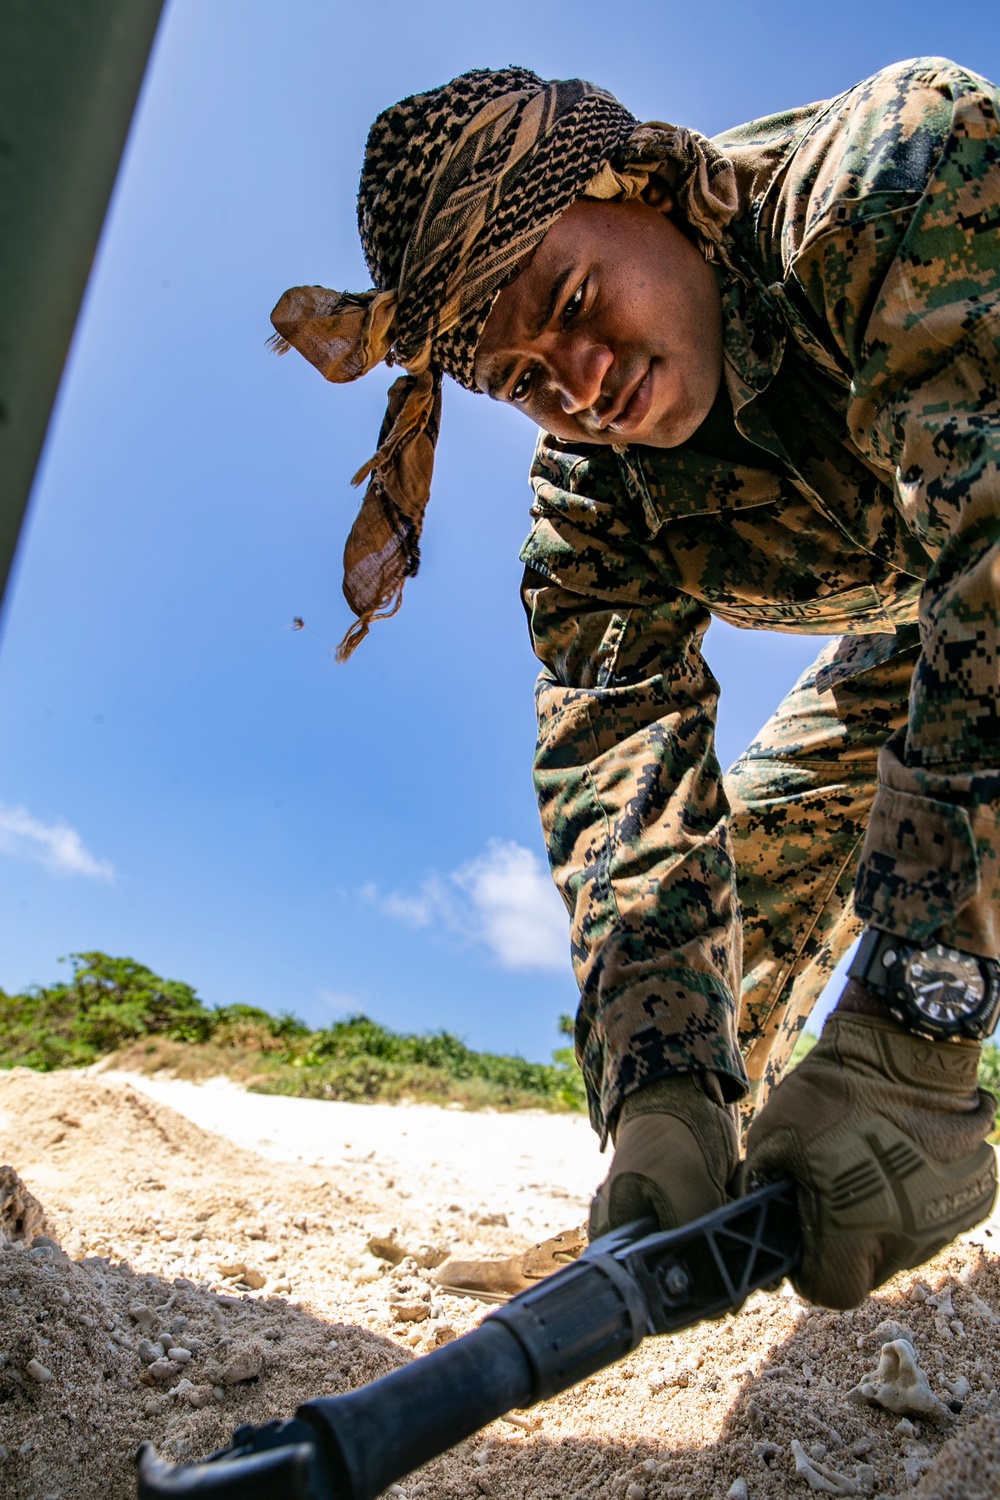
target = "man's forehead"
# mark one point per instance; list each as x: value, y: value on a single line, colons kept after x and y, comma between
x: 521, y: 312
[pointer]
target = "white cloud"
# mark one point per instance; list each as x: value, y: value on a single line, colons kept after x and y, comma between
x: 432, y: 903
x: 522, y: 917
x: 504, y: 899
x: 340, y: 1002
x: 56, y: 845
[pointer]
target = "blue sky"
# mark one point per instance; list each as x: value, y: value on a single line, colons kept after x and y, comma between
x: 183, y: 777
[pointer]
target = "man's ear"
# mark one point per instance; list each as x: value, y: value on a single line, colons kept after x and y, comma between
x: 658, y: 194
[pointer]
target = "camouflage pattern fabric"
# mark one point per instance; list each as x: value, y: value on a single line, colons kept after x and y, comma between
x: 800, y: 800
x: 856, y: 493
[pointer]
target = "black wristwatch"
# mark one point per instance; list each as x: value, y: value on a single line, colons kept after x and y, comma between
x: 935, y: 991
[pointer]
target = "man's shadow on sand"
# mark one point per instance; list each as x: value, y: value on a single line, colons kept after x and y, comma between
x: 253, y: 1360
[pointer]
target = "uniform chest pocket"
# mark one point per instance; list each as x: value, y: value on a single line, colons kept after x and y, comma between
x: 678, y: 483
x: 857, y: 611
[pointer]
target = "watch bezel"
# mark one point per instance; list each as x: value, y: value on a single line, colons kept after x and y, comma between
x: 881, y: 965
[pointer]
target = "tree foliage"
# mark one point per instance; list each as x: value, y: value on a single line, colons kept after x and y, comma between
x: 111, y: 1004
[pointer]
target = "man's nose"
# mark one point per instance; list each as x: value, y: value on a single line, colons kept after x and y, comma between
x: 580, y: 368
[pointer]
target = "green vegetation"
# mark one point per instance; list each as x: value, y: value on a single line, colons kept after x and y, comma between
x: 989, y: 1068
x: 804, y: 1044
x: 115, y: 1006
x: 573, y: 1092
x: 989, y: 1078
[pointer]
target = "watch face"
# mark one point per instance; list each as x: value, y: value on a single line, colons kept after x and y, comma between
x: 944, y: 985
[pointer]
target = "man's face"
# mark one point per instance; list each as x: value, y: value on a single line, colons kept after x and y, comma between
x: 612, y: 333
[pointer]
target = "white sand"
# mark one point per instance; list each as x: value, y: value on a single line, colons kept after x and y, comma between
x: 537, y: 1168
x: 257, y: 1270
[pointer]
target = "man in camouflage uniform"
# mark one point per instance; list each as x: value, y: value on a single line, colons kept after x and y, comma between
x: 843, y: 478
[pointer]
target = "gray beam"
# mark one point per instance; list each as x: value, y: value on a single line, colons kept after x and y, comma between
x: 70, y: 71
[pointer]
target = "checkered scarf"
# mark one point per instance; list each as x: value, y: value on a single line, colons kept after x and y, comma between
x: 458, y: 188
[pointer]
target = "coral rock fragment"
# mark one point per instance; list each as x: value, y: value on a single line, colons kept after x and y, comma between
x: 900, y: 1385
x: 824, y: 1480
x: 21, y: 1214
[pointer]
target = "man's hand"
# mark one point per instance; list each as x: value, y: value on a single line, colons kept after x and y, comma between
x: 884, y: 1134
x: 676, y: 1147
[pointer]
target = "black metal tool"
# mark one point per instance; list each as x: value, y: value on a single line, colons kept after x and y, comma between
x: 625, y: 1286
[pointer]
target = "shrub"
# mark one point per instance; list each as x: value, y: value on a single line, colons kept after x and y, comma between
x: 118, y: 1005
x: 989, y: 1078
x: 107, y: 1003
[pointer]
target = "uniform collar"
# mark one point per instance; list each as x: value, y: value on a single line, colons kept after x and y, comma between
x: 753, y: 330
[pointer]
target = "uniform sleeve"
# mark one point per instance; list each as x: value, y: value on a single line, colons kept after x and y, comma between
x: 630, y: 792
x: 912, y: 286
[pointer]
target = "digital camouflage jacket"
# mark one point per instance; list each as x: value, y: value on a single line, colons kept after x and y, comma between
x: 858, y: 491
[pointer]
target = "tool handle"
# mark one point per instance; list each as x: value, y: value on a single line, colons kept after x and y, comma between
x: 551, y: 1337
x: 633, y: 1282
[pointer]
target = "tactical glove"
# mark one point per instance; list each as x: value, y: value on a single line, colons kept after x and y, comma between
x: 676, y: 1147
x: 884, y: 1134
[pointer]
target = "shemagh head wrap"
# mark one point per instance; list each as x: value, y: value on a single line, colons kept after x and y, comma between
x: 458, y: 188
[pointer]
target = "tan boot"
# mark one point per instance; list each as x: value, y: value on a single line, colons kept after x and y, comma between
x: 499, y: 1280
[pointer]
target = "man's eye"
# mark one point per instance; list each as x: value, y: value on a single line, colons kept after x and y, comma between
x: 574, y: 304
x: 522, y: 389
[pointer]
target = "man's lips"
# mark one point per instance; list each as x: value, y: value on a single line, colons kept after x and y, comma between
x: 634, y: 403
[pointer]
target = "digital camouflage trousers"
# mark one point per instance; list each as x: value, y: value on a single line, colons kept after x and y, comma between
x: 800, y: 798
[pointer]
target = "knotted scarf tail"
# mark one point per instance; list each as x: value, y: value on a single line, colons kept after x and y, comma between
x: 343, y: 334
x: 382, y: 551
x: 383, y: 548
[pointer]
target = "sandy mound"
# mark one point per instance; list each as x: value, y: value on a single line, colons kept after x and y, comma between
x: 165, y: 1315
x: 534, y: 1168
